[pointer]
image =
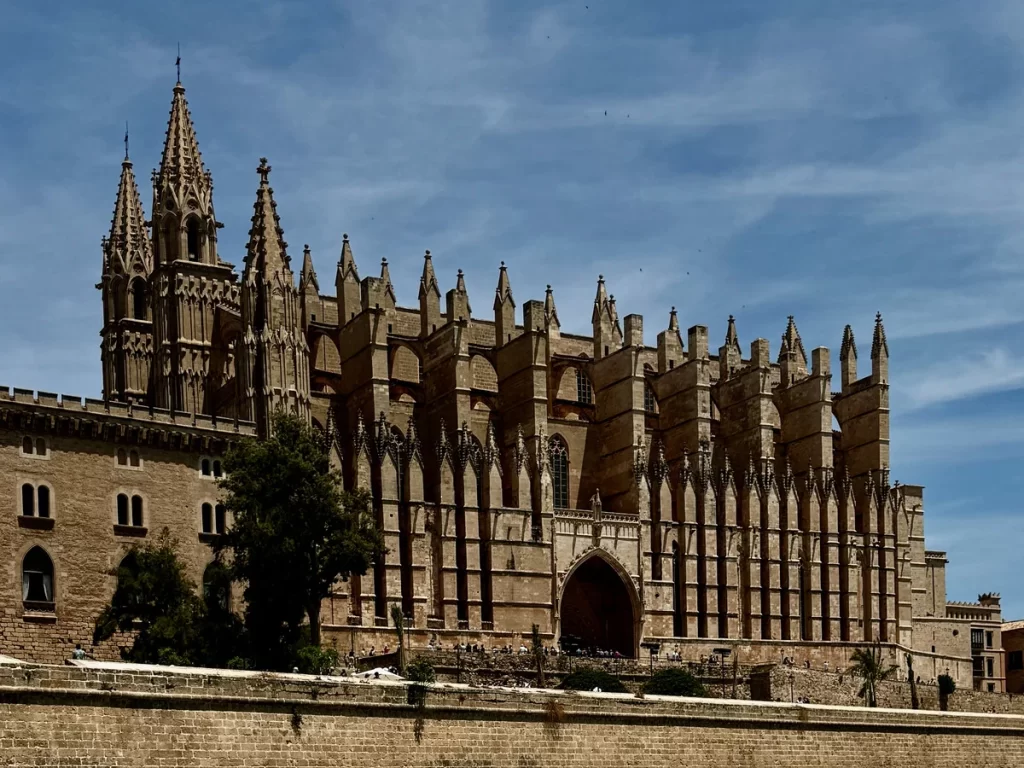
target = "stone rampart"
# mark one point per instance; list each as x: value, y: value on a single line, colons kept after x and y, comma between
x: 124, y: 716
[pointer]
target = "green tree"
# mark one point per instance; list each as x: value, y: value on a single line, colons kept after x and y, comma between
x: 589, y: 679
x: 675, y: 682
x: 869, y: 666
x: 157, y: 603
x: 295, y: 533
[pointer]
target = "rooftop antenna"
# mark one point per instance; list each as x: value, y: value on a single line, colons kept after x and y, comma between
x: 125, y: 139
x: 177, y: 62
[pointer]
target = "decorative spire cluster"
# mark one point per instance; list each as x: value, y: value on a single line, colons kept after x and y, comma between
x: 266, y: 238
x: 128, y: 249
x: 181, y: 158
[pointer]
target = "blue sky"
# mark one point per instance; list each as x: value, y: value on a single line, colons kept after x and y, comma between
x: 821, y: 159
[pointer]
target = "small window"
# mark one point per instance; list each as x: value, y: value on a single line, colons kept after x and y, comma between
x: 34, y: 446
x: 28, y: 500
x: 977, y: 638
x: 204, y: 467
x: 219, y: 519
x: 988, y: 639
x: 216, y: 469
x: 27, y: 446
x: 43, y: 497
x: 584, y: 390
x: 37, y: 580
x: 192, y: 239
x: 40, y: 446
x: 133, y: 458
x: 122, y: 457
x: 312, y: 317
x: 991, y: 687
x: 207, y: 515
x: 137, y: 511
x: 990, y: 667
x: 1015, y: 661
x: 122, y: 509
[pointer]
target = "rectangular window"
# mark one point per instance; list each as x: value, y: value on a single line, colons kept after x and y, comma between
x: 1015, y: 660
x: 978, y: 666
x: 977, y: 638
x: 988, y: 639
x: 584, y: 389
x: 990, y: 667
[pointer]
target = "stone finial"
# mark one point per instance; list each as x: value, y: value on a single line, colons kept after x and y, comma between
x: 264, y: 171
x: 732, y: 339
x: 428, y: 280
x: 550, y: 311
x: 673, y: 320
x: 879, y: 345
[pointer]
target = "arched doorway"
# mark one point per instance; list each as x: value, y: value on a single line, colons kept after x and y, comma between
x: 596, y: 610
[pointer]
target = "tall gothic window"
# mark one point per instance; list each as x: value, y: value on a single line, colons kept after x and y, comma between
x: 584, y: 390
x: 560, y: 473
x: 650, y: 404
x: 192, y: 238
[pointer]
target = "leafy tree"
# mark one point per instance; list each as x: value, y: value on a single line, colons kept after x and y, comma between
x: 421, y: 671
x: 158, y: 604
x: 675, y: 682
x: 869, y: 666
x: 947, y: 687
x: 314, y: 660
x: 295, y: 533
x: 589, y: 679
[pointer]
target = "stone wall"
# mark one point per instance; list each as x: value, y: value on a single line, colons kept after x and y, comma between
x: 59, y: 716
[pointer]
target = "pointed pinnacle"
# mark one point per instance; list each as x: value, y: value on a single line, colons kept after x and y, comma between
x: 673, y: 320
x: 308, y: 276
x: 128, y: 238
x: 347, y: 262
x: 731, y: 337
x: 181, y: 158
x: 849, y: 345
x: 428, y: 280
x: 460, y: 283
x: 503, y: 292
x: 878, y: 342
x: 792, y: 343
x: 266, y: 249
x: 550, y: 311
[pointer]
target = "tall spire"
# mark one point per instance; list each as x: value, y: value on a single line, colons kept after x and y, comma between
x: 457, y: 300
x: 600, y: 300
x: 346, y: 261
x: 504, y: 308
x: 849, y: 345
x: 267, y: 251
x: 308, y: 275
x: 430, y: 298
x: 731, y: 338
x: 346, y: 284
x: 428, y: 280
x: 879, y: 345
x: 181, y: 159
x: 503, y: 292
x: 792, y: 344
x: 129, y: 250
x: 550, y: 311
x: 673, y: 320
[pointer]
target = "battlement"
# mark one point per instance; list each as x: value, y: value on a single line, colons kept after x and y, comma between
x: 50, y: 403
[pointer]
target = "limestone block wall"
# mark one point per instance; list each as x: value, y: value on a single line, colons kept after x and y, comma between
x: 58, y: 716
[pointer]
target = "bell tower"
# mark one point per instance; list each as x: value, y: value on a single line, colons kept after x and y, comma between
x: 189, y: 281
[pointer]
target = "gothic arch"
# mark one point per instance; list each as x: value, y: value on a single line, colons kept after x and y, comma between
x: 405, y: 363
x: 138, y: 298
x: 483, y: 376
x: 598, y: 587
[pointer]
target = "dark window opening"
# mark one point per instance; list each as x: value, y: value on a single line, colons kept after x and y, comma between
x: 1015, y: 661
x: 28, y: 500
x: 977, y: 638
x: 207, y: 518
x: 650, y: 404
x: 139, y: 300
x: 216, y: 469
x: 219, y: 519
x: 26, y: 445
x: 192, y: 237
x: 43, y: 494
x: 137, y: 511
x: 312, y: 318
x: 40, y: 446
x: 122, y: 509
x: 990, y: 667
x: 122, y: 457
x: 988, y: 639
x: 133, y: 458
x: 205, y: 467
x: 560, y: 474
x: 37, y: 578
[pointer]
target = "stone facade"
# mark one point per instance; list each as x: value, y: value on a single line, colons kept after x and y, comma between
x: 64, y: 716
x: 1012, y: 638
x: 608, y: 490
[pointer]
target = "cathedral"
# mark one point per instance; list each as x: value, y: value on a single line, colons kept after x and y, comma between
x: 617, y: 493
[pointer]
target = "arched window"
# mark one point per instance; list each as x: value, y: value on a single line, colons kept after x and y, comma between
x: 122, y: 457
x: 219, y: 519
x: 650, y: 404
x: 204, y: 467
x: 584, y: 390
x: 122, y: 509
x: 26, y: 446
x: 43, y: 498
x: 133, y: 458
x: 140, y: 308
x: 28, y: 500
x: 137, y: 511
x: 216, y: 469
x: 40, y: 446
x: 37, y: 580
x: 192, y: 238
x: 560, y: 473
x: 207, y: 514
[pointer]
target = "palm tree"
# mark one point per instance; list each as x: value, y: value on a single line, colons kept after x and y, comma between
x: 869, y: 667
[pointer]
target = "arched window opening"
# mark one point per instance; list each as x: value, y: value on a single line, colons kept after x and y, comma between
x: 219, y: 519
x: 137, y: 511
x: 217, y: 587
x: 40, y: 446
x: 584, y: 390
x: 122, y: 457
x: 192, y: 238
x: 140, y: 302
x: 207, y: 518
x: 650, y: 404
x: 43, y: 497
x: 560, y: 473
x: 37, y: 580
x: 133, y: 458
x: 122, y: 509
x: 217, y: 472
x: 205, y: 467
x: 28, y: 500
x: 26, y: 446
